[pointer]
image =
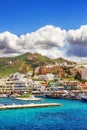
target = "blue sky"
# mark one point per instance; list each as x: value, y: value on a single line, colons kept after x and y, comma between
x: 22, y: 16
x: 55, y: 28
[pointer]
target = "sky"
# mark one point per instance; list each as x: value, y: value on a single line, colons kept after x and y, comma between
x: 55, y: 28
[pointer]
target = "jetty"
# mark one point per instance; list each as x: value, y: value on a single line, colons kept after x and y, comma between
x: 14, y: 106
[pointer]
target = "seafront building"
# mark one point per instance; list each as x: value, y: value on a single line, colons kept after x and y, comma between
x: 84, y: 74
x: 44, y: 80
x: 19, y: 86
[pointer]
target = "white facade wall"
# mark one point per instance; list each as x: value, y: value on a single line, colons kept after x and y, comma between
x: 84, y: 74
x: 49, y: 77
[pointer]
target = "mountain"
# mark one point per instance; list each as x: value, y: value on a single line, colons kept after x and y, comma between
x: 12, y: 65
x: 35, y: 59
x: 22, y: 63
x: 25, y: 62
x: 61, y: 60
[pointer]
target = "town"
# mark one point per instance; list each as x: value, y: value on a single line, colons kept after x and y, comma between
x: 53, y: 80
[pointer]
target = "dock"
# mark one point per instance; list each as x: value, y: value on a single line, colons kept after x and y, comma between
x: 14, y: 106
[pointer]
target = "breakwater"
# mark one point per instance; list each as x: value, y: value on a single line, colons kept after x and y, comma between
x: 28, y: 106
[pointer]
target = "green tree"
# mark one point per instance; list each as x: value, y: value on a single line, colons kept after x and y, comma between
x: 78, y: 76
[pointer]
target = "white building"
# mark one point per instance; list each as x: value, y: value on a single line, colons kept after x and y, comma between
x: 49, y: 76
x: 84, y: 74
x: 30, y: 73
x: 16, y: 76
x: 19, y: 86
x: 41, y: 77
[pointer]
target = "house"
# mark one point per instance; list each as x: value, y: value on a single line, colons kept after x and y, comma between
x: 69, y: 84
x: 9, y: 87
x: 42, y: 70
x: 82, y: 86
x: 2, y: 85
x: 19, y: 86
x: 59, y: 88
x: 84, y: 74
x: 49, y: 76
x: 30, y: 73
x: 16, y: 76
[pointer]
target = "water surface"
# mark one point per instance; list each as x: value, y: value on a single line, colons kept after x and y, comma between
x: 71, y: 116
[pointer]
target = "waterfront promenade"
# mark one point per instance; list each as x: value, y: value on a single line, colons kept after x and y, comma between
x: 13, y: 106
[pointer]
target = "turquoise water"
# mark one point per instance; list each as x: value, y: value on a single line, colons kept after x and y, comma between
x: 71, y: 116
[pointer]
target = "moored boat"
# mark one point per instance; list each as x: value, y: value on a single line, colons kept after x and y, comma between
x: 84, y: 98
x: 31, y: 98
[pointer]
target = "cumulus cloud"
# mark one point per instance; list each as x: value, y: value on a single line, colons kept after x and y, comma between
x: 52, y: 53
x: 44, y: 38
x: 48, y: 40
x: 9, y: 43
x: 77, y: 41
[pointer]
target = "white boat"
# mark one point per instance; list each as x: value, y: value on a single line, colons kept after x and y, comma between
x: 33, y: 98
x: 84, y: 98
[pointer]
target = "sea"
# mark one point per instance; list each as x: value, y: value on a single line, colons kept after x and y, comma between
x: 72, y: 115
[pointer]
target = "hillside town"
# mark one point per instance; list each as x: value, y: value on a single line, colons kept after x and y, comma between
x: 53, y: 80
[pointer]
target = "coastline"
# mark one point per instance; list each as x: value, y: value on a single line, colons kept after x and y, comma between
x: 28, y: 99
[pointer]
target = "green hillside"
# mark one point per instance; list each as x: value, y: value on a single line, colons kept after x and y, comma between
x: 11, y: 65
x: 35, y: 59
x: 24, y: 63
x: 61, y: 60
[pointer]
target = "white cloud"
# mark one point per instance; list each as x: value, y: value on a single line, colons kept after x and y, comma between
x: 52, y: 53
x: 44, y: 38
x: 47, y: 40
x: 77, y: 41
x: 9, y: 43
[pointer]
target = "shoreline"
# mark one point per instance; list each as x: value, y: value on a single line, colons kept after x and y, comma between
x: 27, y: 99
x: 38, y: 99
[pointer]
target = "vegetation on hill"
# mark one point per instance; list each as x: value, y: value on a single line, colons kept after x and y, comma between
x: 25, y: 62
x: 12, y: 65
x: 61, y: 60
x: 35, y: 59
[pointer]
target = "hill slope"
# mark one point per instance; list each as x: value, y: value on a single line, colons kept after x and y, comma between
x: 61, y: 60
x: 25, y: 62
x: 35, y: 59
x: 22, y: 63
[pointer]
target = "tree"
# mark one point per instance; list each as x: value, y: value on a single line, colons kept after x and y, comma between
x: 78, y: 76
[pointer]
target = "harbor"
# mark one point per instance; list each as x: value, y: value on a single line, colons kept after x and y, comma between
x: 72, y: 112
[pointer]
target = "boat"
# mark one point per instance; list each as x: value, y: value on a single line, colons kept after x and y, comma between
x: 31, y: 98
x: 48, y: 94
x: 84, y: 98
